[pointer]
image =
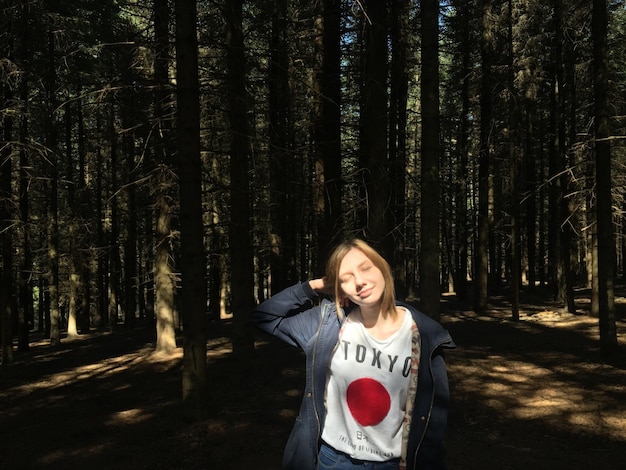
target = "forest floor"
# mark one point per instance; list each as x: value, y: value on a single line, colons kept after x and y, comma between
x: 532, y: 394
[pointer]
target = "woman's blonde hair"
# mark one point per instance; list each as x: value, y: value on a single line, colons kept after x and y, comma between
x: 388, y: 300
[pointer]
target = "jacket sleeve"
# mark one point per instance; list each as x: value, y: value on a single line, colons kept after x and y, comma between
x: 291, y: 315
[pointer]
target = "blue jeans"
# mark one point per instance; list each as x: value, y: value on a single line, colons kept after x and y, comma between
x: 330, y: 459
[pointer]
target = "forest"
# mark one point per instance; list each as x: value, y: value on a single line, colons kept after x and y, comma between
x: 165, y: 165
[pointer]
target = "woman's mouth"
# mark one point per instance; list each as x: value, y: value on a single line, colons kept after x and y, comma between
x: 365, y: 293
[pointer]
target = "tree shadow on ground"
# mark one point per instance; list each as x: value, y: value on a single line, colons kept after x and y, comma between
x: 534, y: 393
x: 105, y: 401
x: 528, y: 394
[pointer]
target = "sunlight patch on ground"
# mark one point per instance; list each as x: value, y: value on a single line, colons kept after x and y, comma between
x: 97, y: 370
x: 217, y: 424
x: 548, y: 316
x: 528, y: 391
x: 132, y: 416
x: 287, y: 413
x: 219, y: 347
x: 62, y: 458
x: 517, y: 372
x: 615, y: 422
x: 166, y: 356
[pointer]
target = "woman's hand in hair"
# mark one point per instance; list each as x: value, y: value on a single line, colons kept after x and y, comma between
x: 321, y: 286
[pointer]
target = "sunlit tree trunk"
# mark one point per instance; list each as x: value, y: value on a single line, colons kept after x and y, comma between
x: 164, y: 276
x: 73, y: 226
x: 163, y: 177
x: 192, y: 259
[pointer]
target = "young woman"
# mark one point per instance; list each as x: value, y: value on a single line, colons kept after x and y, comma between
x: 376, y: 393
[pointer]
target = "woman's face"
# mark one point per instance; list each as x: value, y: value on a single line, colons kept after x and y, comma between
x: 360, y: 280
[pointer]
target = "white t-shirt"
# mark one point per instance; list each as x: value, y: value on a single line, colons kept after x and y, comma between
x: 366, y: 391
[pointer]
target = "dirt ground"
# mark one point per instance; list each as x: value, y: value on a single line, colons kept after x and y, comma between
x: 532, y: 394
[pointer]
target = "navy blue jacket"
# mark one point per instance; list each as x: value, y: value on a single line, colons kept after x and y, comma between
x: 295, y: 317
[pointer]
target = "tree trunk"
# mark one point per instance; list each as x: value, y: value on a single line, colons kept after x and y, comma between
x: 481, y: 252
x: 373, y: 139
x: 398, y: 140
x: 530, y: 158
x: 130, y: 245
x: 85, y: 214
x: 164, y: 277
x: 242, y: 269
x: 26, y: 277
x: 6, y: 233
x: 148, y: 293
x: 331, y: 121
x: 73, y: 227
x: 514, y: 157
x: 192, y: 260
x: 430, y: 284
x: 26, y: 311
x: 217, y: 269
x: 101, y: 317
x: 282, y: 239
x: 561, y: 226
x: 53, y: 213
x: 327, y: 126
x: 541, y: 221
x: 604, y: 218
x: 53, y: 249
x: 114, y: 231
x: 461, y: 214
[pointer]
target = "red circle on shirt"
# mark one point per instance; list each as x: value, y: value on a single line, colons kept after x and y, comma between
x: 368, y: 401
